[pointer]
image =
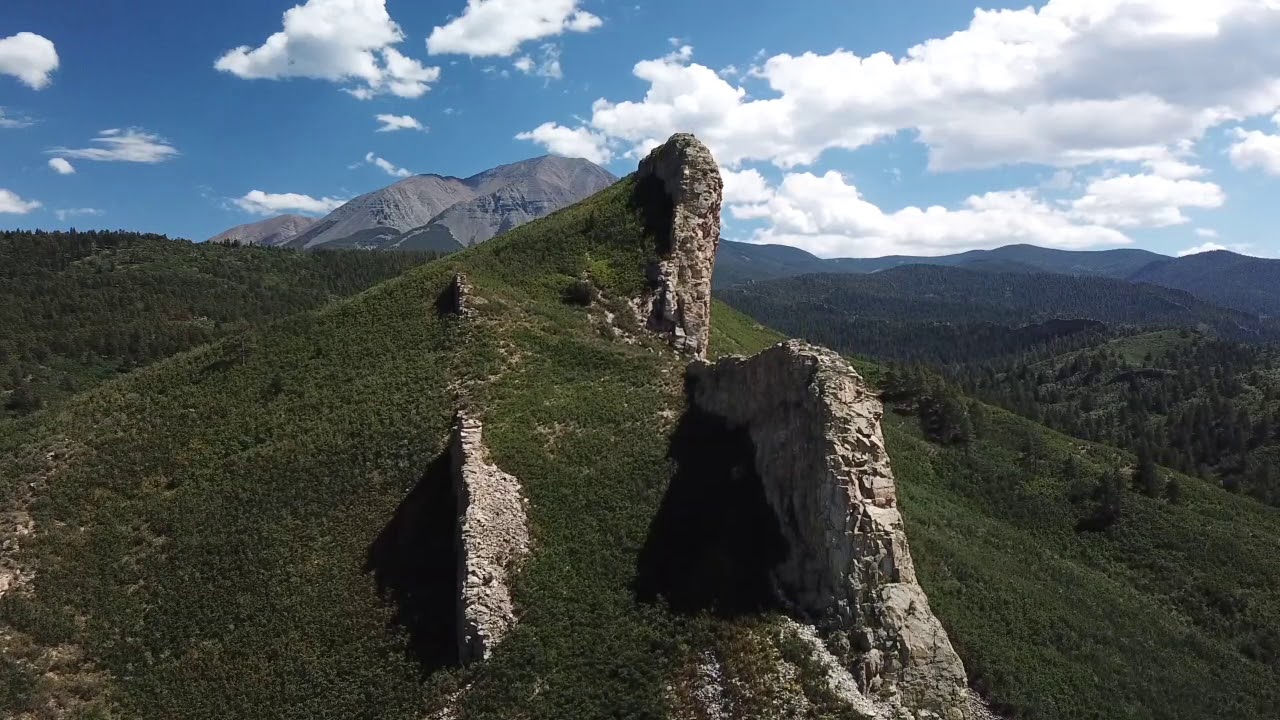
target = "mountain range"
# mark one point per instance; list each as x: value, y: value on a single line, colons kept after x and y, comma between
x: 436, y: 212
x: 1235, y: 281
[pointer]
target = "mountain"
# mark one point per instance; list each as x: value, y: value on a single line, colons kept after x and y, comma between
x: 1223, y: 278
x: 272, y: 231
x: 431, y: 212
x: 1236, y: 281
x: 507, y: 484
x: 80, y: 308
x: 742, y: 262
x: 951, y: 314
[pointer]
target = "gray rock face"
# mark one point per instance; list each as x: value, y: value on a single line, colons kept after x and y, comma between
x: 821, y: 456
x: 272, y: 231
x: 433, y: 212
x: 493, y: 540
x: 680, y: 307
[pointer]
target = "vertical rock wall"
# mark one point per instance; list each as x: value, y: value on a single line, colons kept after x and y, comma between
x: 493, y: 538
x: 680, y: 305
x: 820, y: 454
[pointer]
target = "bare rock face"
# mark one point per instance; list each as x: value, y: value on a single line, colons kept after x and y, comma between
x: 680, y: 306
x: 457, y: 297
x: 493, y: 539
x: 820, y: 453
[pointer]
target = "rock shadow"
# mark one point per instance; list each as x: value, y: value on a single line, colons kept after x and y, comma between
x: 657, y: 211
x: 715, y: 539
x: 414, y: 562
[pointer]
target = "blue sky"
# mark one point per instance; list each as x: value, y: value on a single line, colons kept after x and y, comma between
x: 846, y: 128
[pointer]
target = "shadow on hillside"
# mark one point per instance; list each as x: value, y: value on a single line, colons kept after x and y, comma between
x: 715, y: 539
x: 414, y: 564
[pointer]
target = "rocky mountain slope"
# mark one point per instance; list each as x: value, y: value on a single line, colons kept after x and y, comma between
x: 508, y: 484
x: 431, y: 212
x: 272, y: 231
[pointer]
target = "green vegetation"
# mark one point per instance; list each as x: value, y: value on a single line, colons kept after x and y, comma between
x: 1200, y: 405
x: 79, y: 308
x: 946, y: 315
x: 206, y: 528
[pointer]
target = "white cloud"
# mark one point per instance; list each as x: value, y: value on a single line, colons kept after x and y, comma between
x: 570, y: 142
x: 1206, y: 232
x: 263, y: 203
x: 490, y: 28
x: 1144, y: 200
x: 11, y: 203
x: 12, y: 122
x: 129, y: 145
x: 339, y: 41
x: 61, y: 166
x: 66, y: 213
x: 829, y: 217
x: 1207, y: 247
x: 29, y: 57
x: 1256, y: 149
x: 1072, y: 83
x: 386, y: 166
x: 547, y: 66
x: 745, y: 187
x: 392, y: 123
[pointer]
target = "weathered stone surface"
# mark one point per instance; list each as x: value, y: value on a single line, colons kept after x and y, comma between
x: 680, y: 306
x: 493, y: 538
x: 457, y: 296
x: 820, y: 454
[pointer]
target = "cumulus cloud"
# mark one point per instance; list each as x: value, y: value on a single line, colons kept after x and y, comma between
x: 129, y: 145
x: 29, y: 57
x: 61, y: 166
x: 263, y: 203
x: 1256, y: 149
x: 745, y: 187
x: 392, y: 123
x: 1206, y: 232
x: 828, y: 216
x: 1015, y: 86
x: 67, y: 213
x: 570, y: 142
x: 10, y: 121
x: 338, y: 41
x: 386, y: 166
x: 11, y: 203
x: 1145, y: 200
x: 489, y: 28
x: 546, y: 66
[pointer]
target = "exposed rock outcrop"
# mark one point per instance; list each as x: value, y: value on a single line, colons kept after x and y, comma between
x: 679, y: 306
x: 820, y: 454
x: 493, y: 539
x: 457, y: 297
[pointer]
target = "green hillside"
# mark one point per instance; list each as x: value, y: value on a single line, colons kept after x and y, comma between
x: 208, y: 530
x: 78, y: 308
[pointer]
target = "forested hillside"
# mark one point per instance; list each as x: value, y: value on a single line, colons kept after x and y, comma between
x: 948, y: 315
x: 1177, y: 398
x: 206, y: 529
x: 81, y: 307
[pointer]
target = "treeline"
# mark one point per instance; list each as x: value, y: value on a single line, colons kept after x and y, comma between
x: 80, y: 307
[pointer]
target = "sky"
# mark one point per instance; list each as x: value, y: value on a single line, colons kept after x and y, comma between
x: 843, y: 127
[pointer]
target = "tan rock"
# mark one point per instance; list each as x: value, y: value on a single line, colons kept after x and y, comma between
x: 820, y: 454
x: 679, y: 307
x: 493, y: 541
